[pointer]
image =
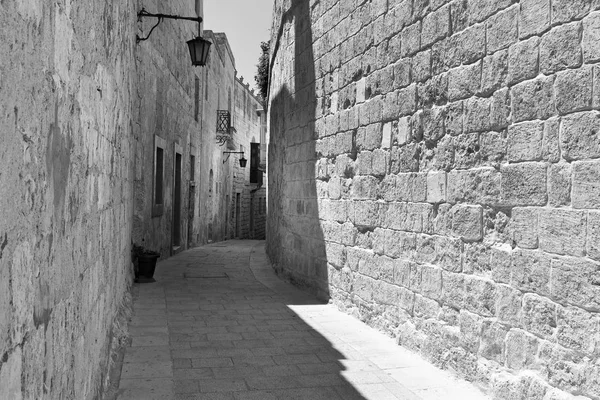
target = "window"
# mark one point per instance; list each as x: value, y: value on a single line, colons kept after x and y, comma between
x: 210, y: 183
x: 192, y: 167
x: 196, y: 97
x: 159, y: 173
x: 255, y: 172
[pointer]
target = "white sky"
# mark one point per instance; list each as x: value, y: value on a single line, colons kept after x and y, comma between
x: 246, y: 23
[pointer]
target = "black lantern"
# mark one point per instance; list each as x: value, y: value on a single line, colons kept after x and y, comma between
x: 199, y: 49
x: 242, y: 160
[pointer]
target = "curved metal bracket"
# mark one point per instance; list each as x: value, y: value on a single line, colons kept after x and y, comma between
x: 144, y: 13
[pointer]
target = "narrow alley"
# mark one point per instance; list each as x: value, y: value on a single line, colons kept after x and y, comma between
x: 219, y: 324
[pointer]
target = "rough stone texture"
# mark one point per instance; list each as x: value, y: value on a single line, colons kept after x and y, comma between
x: 464, y: 189
x: 67, y: 83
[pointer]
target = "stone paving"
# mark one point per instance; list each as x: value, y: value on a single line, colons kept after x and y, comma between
x: 218, y: 324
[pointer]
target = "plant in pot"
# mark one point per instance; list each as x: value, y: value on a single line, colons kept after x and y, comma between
x: 144, y: 262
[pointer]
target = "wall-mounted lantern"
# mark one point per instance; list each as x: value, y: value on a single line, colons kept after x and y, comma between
x: 199, y: 47
x: 243, y: 161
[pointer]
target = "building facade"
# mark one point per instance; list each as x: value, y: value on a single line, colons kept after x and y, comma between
x: 433, y: 169
x: 106, y: 142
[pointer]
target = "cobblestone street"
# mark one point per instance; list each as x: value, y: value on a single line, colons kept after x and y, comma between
x: 218, y: 324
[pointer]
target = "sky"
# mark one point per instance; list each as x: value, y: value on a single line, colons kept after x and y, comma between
x: 246, y: 23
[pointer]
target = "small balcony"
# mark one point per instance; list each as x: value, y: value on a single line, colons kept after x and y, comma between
x: 224, y: 129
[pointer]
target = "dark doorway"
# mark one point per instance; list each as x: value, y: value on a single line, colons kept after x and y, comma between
x: 191, y: 201
x: 177, y: 202
x: 237, y: 214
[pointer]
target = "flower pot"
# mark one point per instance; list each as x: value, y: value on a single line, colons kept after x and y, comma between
x: 146, y: 267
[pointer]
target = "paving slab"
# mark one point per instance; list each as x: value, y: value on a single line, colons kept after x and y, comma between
x: 219, y: 324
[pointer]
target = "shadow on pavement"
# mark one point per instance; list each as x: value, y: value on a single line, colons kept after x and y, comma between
x: 233, y: 337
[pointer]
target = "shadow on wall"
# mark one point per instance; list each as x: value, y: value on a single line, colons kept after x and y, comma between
x: 295, y: 241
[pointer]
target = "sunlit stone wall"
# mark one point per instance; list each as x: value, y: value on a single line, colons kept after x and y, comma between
x: 433, y: 169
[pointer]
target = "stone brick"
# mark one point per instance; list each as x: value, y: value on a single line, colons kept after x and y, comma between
x: 480, y: 296
x: 524, y: 184
x: 525, y: 141
x: 436, y: 186
x: 533, y: 99
x: 559, y: 185
x: 580, y: 135
x: 492, y: 148
x: 453, y: 289
x: 477, y: 114
x: 586, y: 185
x: 500, y: 109
x: 575, y: 329
x: 381, y: 162
x: 534, y: 17
x: 360, y: 90
x: 591, y: 36
x: 405, y: 158
x: 464, y: 81
x: 433, y: 91
x: 399, y: 244
x: 521, y: 348
x: 573, y: 90
x: 494, y: 72
x: 436, y: 25
x: 481, y: 186
x: 430, y: 284
x: 593, y: 235
x: 404, y: 131
x: 539, y: 315
x: 459, y: 17
x: 569, y: 10
x: 492, y: 341
x: 480, y: 10
x: 523, y: 60
x: 425, y: 307
x: 470, y: 326
x: 411, y: 186
x: 407, y: 99
x: 454, y: 118
x: 502, y: 29
x: 412, y: 217
x: 550, y: 142
x: 531, y: 271
x: 442, y: 223
x: 563, y: 231
x: 596, y: 87
x: 508, y: 305
x: 466, y: 150
x: 421, y: 66
x: 411, y: 39
x: 365, y: 213
x: 575, y: 281
x: 524, y: 227
x: 467, y: 222
x: 402, y: 70
x: 561, y: 48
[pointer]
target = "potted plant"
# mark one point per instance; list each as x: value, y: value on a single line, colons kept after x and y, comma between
x: 144, y: 261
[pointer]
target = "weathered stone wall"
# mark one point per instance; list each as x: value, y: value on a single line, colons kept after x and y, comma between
x: 218, y: 84
x: 247, y: 123
x: 444, y: 154
x: 66, y: 78
x: 165, y: 104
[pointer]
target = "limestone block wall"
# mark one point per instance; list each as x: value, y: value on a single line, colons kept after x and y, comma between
x: 218, y: 83
x: 167, y: 91
x: 433, y: 169
x: 247, y: 123
x: 66, y: 78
